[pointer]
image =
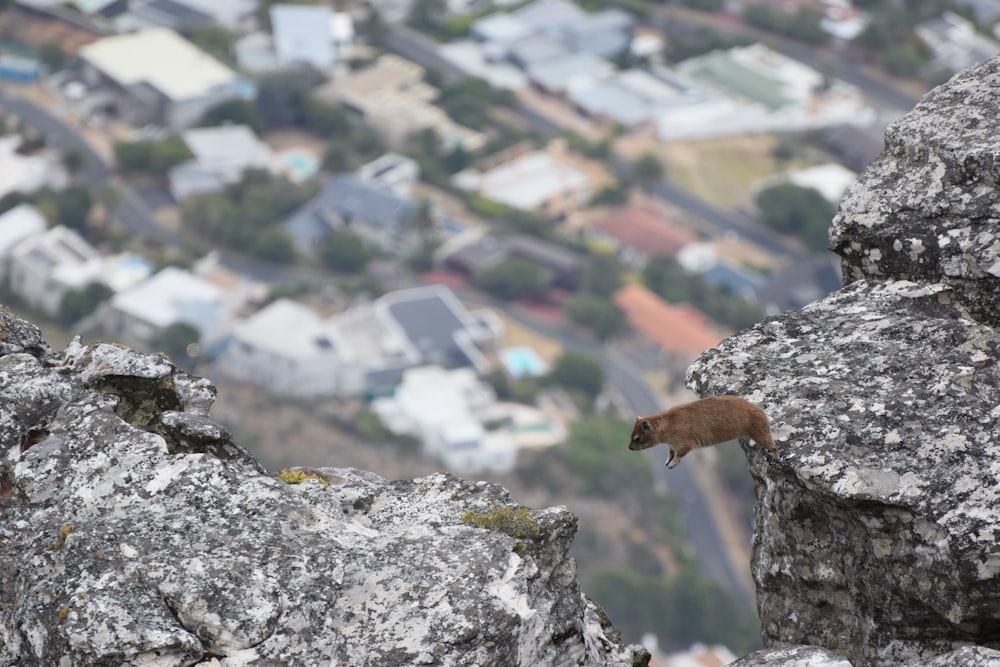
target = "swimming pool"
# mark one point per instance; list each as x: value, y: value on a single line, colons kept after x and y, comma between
x: 522, y: 361
x: 300, y: 165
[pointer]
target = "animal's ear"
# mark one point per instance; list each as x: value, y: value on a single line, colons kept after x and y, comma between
x: 646, y: 426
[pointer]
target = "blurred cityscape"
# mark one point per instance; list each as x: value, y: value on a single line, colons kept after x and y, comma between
x: 478, y: 236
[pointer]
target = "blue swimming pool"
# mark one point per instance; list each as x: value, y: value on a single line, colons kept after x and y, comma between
x: 522, y: 361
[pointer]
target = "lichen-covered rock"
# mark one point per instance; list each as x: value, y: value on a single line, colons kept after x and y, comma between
x: 134, y: 531
x: 792, y: 656
x: 928, y: 209
x: 877, y: 519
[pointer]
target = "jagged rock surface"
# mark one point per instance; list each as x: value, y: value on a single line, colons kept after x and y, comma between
x: 928, y: 209
x: 878, y: 519
x: 134, y: 531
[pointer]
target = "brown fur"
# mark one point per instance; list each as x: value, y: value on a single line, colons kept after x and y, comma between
x: 702, y: 424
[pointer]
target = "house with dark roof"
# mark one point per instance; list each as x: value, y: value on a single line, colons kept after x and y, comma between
x: 561, y: 266
x: 380, y: 217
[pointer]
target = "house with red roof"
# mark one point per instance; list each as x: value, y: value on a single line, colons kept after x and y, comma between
x: 640, y: 232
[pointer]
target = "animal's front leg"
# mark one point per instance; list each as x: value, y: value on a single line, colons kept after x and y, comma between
x: 672, y: 459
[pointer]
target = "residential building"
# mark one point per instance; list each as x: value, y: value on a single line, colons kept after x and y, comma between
x: 678, y: 331
x: 446, y: 410
x: 475, y: 251
x: 26, y: 173
x: 221, y: 156
x: 43, y: 268
x: 302, y: 35
x: 830, y: 180
x: 955, y: 42
x: 642, y: 232
x: 540, y: 181
x: 392, y: 171
x: 756, y: 90
x: 380, y: 217
x: 173, y: 295
x: 855, y: 146
x: 391, y: 94
x: 159, y: 78
x: 21, y: 222
x: 287, y: 349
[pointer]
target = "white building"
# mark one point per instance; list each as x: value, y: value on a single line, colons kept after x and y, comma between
x: 302, y: 35
x: 288, y: 349
x: 16, y: 225
x: 171, y: 296
x: 446, y: 410
x: 532, y: 182
x: 44, y: 267
x: 392, y: 171
x: 221, y: 156
x: 159, y: 77
x: 753, y: 90
x: 23, y: 173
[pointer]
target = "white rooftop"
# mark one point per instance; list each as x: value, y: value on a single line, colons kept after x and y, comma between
x: 232, y: 145
x: 161, y: 58
x: 289, y: 329
x: 830, y: 180
x: 527, y: 182
x: 303, y: 33
x: 170, y: 296
x: 18, y: 223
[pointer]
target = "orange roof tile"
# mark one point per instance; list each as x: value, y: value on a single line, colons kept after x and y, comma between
x: 681, y: 330
x: 645, y: 230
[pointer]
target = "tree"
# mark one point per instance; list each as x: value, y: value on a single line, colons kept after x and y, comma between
x: 74, y: 161
x: 78, y: 304
x: 582, y: 372
x: 150, y: 157
x: 597, y: 313
x: 345, y: 251
x: 176, y: 341
x: 511, y: 279
x: 647, y: 169
x: 275, y: 245
x: 797, y: 211
x: 602, y: 274
x: 215, y: 40
x: 237, y: 112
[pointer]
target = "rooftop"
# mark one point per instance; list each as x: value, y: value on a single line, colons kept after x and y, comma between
x: 289, y: 329
x: 643, y: 229
x: 170, y: 296
x: 161, y: 58
x: 18, y: 223
x: 680, y: 330
x: 529, y: 181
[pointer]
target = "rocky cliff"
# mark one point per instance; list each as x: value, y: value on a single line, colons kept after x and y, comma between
x: 134, y: 531
x: 878, y: 521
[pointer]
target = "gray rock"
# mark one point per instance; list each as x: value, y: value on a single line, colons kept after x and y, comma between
x: 134, y: 531
x: 792, y: 656
x: 876, y: 521
x: 928, y: 209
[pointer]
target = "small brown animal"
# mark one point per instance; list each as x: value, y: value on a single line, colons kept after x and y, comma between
x: 702, y: 424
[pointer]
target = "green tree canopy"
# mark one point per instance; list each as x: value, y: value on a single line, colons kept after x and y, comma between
x: 345, y: 251
x: 597, y: 313
x: 511, y: 279
x: 582, y: 372
x: 175, y: 339
x: 150, y: 157
x: 78, y: 304
x: 647, y: 169
x: 800, y: 212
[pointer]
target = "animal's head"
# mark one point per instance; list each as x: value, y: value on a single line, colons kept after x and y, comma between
x: 642, y: 435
